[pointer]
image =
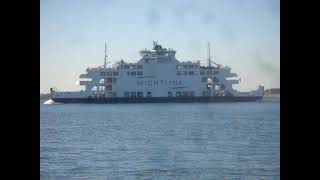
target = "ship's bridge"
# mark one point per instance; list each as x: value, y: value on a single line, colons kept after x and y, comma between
x: 158, y: 54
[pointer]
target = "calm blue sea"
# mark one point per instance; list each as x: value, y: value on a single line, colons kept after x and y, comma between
x: 160, y: 141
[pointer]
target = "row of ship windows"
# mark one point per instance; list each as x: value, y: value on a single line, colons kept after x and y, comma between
x: 187, y: 66
x: 115, y: 73
x: 139, y: 66
x: 204, y: 79
x: 140, y: 94
x: 196, y: 72
x: 130, y: 67
x: 178, y: 94
x: 109, y: 73
x: 134, y: 73
x: 140, y: 73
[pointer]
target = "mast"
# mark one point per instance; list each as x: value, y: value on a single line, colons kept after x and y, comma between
x: 209, y: 57
x: 105, y: 55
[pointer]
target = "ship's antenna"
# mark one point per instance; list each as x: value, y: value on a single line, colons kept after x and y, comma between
x: 209, y: 56
x: 105, y: 55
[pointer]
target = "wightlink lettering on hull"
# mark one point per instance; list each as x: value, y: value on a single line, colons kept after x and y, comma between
x: 159, y: 82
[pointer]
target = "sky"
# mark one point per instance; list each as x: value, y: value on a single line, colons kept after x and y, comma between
x: 244, y: 34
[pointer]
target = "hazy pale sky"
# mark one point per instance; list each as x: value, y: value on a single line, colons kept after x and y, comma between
x: 244, y: 34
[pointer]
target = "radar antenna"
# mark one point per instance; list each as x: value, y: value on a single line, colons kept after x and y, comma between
x: 105, y: 55
x: 209, y: 57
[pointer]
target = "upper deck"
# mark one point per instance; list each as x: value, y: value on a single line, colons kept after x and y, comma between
x: 158, y: 54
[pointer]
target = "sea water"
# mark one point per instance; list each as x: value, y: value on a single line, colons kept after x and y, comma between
x: 160, y: 141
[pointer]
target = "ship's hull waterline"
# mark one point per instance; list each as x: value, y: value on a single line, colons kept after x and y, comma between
x: 116, y: 100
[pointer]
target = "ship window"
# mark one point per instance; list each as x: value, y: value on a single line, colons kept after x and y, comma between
x: 191, y: 66
x: 115, y: 73
x: 185, y: 73
x: 140, y: 94
x: 196, y: 66
x: 209, y: 72
x: 133, y: 73
x: 185, y: 66
x: 179, y: 67
x: 178, y: 93
x: 126, y: 94
x: 128, y: 73
x: 196, y: 73
x: 126, y: 66
x: 204, y: 79
x: 108, y: 80
x: 215, y: 72
x: 191, y: 93
x: 148, y: 94
x: 102, y: 73
x: 202, y: 73
x: 133, y: 94
x: 179, y: 72
x: 139, y: 73
x: 139, y: 66
x: 133, y: 67
x: 191, y: 72
x: 121, y: 66
x: 215, y: 79
x: 108, y: 87
x: 169, y: 94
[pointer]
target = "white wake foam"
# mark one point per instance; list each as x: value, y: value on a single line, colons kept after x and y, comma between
x: 50, y: 101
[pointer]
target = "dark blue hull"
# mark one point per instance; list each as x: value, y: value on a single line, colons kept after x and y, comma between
x: 116, y: 100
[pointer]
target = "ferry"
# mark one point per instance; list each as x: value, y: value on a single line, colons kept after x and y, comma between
x: 158, y: 77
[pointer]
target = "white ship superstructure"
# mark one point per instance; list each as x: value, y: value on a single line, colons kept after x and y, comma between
x: 158, y: 74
